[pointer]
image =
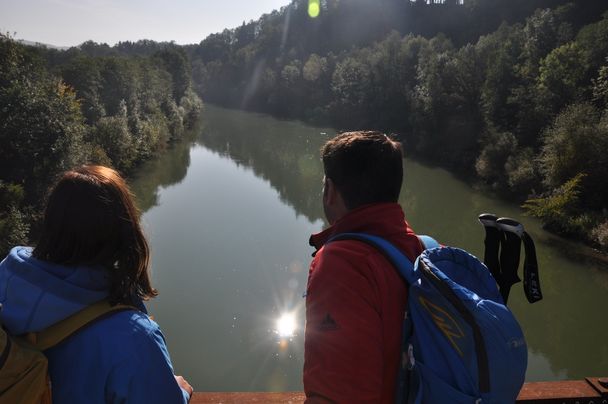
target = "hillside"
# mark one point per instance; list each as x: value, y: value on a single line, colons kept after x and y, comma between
x: 512, y: 86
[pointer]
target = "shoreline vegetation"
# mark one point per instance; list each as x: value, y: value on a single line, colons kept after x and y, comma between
x: 59, y: 109
x: 511, y: 95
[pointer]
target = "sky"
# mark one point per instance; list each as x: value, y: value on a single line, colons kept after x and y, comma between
x: 71, y: 22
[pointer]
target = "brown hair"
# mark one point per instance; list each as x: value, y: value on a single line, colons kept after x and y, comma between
x: 91, y: 219
x: 366, y: 167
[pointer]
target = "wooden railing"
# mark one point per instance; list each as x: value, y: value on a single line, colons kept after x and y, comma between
x: 592, y: 390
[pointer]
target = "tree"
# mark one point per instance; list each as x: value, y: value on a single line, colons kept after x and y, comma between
x: 112, y: 134
x: 575, y: 144
x: 215, y: 47
x: 176, y: 63
x: 40, y: 122
x: 13, y: 223
x: 314, y: 68
x: 84, y: 75
x: 600, y: 86
x: 593, y: 40
x: 560, y: 209
x: 561, y: 77
x: 119, y: 83
x: 447, y: 98
x: 500, y: 52
x: 350, y: 85
x: 490, y: 164
x: 543, y: 31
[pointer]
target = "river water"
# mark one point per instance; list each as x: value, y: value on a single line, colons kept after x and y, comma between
x: 228, y: 215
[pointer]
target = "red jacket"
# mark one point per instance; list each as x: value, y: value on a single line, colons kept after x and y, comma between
x: 355, y: 305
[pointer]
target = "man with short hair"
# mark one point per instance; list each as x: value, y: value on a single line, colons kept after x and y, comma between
x: 356, y: 300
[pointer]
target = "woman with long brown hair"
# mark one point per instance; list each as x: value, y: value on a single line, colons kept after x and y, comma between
x: 91, y: 249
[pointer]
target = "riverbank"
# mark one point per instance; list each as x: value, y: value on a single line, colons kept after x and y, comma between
x: 561, y: 211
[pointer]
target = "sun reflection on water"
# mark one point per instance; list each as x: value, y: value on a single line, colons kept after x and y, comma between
x: 286, y: 325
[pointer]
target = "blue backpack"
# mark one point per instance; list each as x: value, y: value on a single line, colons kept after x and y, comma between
x: 461, y: 344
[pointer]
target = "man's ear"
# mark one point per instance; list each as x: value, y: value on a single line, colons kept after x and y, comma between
x: 329, y: 191
x: 333, y: 203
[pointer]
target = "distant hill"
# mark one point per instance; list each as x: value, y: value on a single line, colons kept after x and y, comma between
x: 42, y: 45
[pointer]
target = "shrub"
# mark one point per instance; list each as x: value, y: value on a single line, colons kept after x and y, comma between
x: 559, y: 210
x: 577, y: 143
x: 600, y: 235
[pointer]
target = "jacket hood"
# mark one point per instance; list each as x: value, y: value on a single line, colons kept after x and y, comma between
x: 35, y: 294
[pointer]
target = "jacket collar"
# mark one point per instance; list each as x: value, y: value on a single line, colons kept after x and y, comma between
x: 382, y: 219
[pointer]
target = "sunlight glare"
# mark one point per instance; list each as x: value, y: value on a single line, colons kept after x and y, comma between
x: 286, y: 325
x: 314, y: 8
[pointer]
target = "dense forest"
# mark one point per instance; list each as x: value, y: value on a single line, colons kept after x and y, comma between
x: 510, y: 94
x: 60, y: 109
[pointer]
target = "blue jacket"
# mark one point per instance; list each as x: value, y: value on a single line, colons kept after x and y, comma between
x: 118, y: 359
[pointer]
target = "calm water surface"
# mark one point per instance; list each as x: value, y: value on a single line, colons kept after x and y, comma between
x: 229, y: 214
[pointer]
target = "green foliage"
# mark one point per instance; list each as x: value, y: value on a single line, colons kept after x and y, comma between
x: 349, y: 84
x: 543, y: 31
x: 41, y: 125
x: 314, y: 68
x: 522, y: 172
x: 13, y: 224
x: 490, y: 164
x: 134, y: 106
x: 392, y: 81
x: 120, y: 83
x: 175, y: 119
x: 561, y: 76
x: 90, y: 105
x: 593, y: 40
x: 290, y: 75
x: 599, y: 234
x: 191, y: 107
x: 176, y: 63
x: 576, y: 143
x: 501, y: 51
x: 10, y: 195
x: 450, y: 87
x: 600, y: 86
x: 113, y: 136
x: 14, y: 229
x: 84, y: 75
x: 559, y: 209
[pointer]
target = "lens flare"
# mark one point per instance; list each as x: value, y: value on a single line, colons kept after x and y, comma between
x: 314, y: 8
x: 286, y: 325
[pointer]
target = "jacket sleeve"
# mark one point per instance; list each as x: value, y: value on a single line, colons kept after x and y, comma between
x: 343, y: 358
x: 146, y: 377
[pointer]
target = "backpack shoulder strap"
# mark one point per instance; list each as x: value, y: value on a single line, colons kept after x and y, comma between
x: 392, y: 253
x: 58, y: 332
x: 406, y: 384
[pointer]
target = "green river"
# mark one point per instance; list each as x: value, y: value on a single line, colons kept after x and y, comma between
x: 228, y: 215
